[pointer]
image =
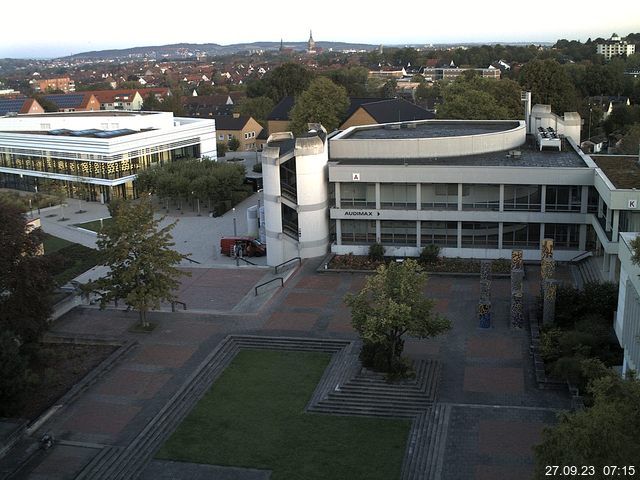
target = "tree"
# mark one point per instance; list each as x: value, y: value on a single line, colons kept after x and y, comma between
x: 475, y: 98
x: 389, y: 89
x: 258, y: 107
x: 323, y: 102
x: 549, y: 84
x: 25, y: 279
x: 604, y: 434
x: 13, y: 372
x: 221, y: 149
x: 233, y: 144
x: 392, y: 304
x: 630, y: 144
x: 353, y: 79
x: 289, y: 79
x: 142, y: 264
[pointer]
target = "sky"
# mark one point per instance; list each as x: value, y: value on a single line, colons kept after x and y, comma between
x: 45, y: 29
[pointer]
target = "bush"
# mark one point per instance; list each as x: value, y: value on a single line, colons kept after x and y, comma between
x: 13, y: 373
x: 375, y: 356
x: 430, y: 254
x: 233, y: 144
x: 221, y: 149
x: 376, y: 252
x: 257, y: 168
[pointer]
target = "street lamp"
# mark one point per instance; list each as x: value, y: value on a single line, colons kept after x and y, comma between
x: 235, y: 229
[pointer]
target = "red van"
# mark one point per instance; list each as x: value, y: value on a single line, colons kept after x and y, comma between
x: 242, y: 246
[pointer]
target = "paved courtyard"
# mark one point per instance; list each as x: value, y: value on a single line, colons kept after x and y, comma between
x: 496, y: 411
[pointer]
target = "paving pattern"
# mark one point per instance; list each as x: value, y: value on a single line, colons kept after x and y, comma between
x: 487, y: 414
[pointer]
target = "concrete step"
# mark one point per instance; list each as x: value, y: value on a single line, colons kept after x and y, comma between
x: 360, y: 411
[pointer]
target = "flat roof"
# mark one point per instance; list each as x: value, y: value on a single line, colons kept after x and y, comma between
x: 622, y: 170
x: 530, y: 156
x: 95, y: 113
x: 430, y: 129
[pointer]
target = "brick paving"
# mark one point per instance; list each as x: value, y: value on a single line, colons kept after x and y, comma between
x: 497, y: 413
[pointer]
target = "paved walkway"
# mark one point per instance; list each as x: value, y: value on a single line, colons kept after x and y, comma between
x: 496, y: 412
x: 196, y: 235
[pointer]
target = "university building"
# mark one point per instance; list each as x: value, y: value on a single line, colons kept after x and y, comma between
x: 96, y: 155
x: 477, y: 189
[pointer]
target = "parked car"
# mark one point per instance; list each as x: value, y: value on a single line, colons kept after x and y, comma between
x: 242, y: 246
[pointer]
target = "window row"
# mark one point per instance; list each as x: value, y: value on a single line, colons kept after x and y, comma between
x: 445, y: 196
x: 445, y: 234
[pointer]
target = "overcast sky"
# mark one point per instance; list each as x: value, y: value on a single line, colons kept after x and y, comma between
x: 41, y: 29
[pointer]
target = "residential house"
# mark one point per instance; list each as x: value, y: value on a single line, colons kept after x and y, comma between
x: 74, y: 102
x: 386, y: 111
x: 65, y: 84
x: 614, y: 47
x: 119, y: 99
x: 243, y: 128
x: 20, y: 105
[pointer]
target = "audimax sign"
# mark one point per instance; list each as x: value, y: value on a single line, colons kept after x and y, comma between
x: 361, y: 213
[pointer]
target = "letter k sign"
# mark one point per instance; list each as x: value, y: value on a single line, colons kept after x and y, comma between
x: 633, y: 204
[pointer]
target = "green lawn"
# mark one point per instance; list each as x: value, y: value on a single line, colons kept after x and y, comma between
x: 68, y: 259
x: 254, y: 417
x: 94, y: 225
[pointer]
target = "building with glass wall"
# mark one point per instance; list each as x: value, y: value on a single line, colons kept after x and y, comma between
x: 96, y: 155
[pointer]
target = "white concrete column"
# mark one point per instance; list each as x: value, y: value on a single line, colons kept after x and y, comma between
x: 459, y: 199
x: 378, y: 196
x: 608, y: 221
x: 542, y: 237
x: 378, y: 232
x: 600, y: 204
x: 336, y: 192
x: 582, y: 241
x: 418, y: 197
x: 584, y: 203
x: 418, y: 234
x: 501, y: 202
x: 616, y: 225
x: 500, y: 231
x: 459, y: 234
x: 338, y: 232
x: 543, y: 201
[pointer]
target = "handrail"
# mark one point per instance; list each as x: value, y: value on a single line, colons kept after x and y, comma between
x: 173, y: 305
x: 586, y: 254
x: 244, y: 260
x: 267, y: 283
x: 288, y: 261
x: 185, y: 257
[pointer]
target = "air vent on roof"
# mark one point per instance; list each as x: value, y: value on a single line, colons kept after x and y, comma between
x: 392, y: 126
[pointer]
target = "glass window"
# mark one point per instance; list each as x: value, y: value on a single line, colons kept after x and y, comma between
x: 481, y: 197
x: 398, y: 195
x: 439, y: 196
x: 522, y: 198
x: 561, y: 198
x: 443, y: 234
x: 398, y: 232
x: 523, y: 235
x: 358, y: 195
x: 358, y: 232
x: 564, y: 236
x: 479, y: 234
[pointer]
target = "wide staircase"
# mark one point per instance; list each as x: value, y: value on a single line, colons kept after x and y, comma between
x: 344, y: 389
x: 371, y: 394
x: 588, y: 270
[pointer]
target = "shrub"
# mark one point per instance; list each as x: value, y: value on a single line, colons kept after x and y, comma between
x: 221, y: 149
x: 233, y: 144
x: 375, y: 356
x: 376, y: 252
x: 430, y: 254
x: 257, y: 168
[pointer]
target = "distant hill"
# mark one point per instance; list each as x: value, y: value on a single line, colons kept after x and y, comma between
x: 213, y: 49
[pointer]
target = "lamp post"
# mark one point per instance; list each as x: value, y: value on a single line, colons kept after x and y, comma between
x: 590, y: 111
x: 235, y: 229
